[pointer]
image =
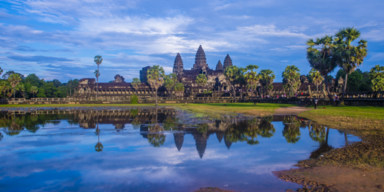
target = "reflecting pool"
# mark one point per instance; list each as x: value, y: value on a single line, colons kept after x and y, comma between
x: 153, y: 149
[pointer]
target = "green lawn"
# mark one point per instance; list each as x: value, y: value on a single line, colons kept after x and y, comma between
x: 348, y: 117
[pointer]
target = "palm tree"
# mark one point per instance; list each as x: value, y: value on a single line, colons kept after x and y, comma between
x: 376, y: 74
x: 20, y: 87
x: 316, y: 78
x: 291, y: 76
x: 155, y: 77
x: 320, y: 56
x: 4, y: 87
x: 348, y: 56
x: 33, y: 90
x: 170, y: 82
x: 136, y: 83
x: 97, y: 74
x: 201, y: 80
x: 233, y: 75
x: 179, y: 89
x: 251, y: 76
x: 266, y: 79
x: 14, y: 79
x: 98, y: 60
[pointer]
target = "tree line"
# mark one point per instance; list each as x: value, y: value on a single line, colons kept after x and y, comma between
x: 14, y: 85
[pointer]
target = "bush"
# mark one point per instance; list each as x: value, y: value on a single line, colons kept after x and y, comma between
x: 134, y: 99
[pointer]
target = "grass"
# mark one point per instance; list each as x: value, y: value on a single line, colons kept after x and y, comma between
x: 260, y: 109
x: 348, y: 117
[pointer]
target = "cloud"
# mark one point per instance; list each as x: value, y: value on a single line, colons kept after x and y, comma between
x: 270, y: 30
x: 374, y: 35
x: 279, y: 49
x: 39, y: 59
x: 137, y: 25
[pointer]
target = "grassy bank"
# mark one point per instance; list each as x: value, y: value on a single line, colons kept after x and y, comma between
x: 348, y: 117
x: 260, y: 109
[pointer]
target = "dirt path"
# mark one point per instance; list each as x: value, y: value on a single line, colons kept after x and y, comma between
x: 291, y: 110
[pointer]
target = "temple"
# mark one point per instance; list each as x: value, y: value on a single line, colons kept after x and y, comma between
x: 216, y: 82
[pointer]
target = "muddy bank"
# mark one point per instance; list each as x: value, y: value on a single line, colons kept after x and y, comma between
x: 355, y: 167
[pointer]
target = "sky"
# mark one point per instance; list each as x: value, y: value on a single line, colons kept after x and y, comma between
x: 59, y: 39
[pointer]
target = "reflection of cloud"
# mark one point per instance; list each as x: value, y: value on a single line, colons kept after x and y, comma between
x: 267, y: 168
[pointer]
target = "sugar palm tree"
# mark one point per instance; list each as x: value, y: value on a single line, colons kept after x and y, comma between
x: 170, y: 82
x: 233, y: 75
x: 266, y: 79
x: 98, y: 60
x: 33, y: 90
x: 316, y: 78
x: 155, y: 77
x: 136, y: 83
x: 201, y: 80
x: 14, y: 79
x: 251, y: 76
x: 320, y: 56
x: 348, y: 56
x: 291, y: 76
x: 376, y: 74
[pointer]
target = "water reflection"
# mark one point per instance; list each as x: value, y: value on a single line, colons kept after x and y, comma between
x: 157, y: 147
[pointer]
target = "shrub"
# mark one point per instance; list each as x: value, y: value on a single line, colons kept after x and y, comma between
x: 134, y: 99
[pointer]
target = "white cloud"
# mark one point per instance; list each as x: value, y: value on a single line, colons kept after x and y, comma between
x: 270, y: 30
x: 278, y: 49
x: 136, y: 25
x: 374, y: 35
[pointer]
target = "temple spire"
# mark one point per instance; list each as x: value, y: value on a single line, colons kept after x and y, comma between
x: 178, y: 66
x: 200, y: 60
x: 219, y: 66
x: 227, y: 61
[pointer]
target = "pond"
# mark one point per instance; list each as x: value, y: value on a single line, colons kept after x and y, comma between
x: 153, y: 149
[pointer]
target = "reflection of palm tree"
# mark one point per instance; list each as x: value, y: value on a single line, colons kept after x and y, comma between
x: 324, y: 147
x: 136, y: 123
x: 156, y: 140
x: 291, y: 130
x: 317, y: 133
x: 16, y: 125
x: 266, y: 127
x: 1, y: 136
x: 98, y: 147
x: 169, y: 123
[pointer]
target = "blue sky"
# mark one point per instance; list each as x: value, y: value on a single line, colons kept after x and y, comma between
x: 58, y: 39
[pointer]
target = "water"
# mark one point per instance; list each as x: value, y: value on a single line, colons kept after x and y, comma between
x: 141, y: 150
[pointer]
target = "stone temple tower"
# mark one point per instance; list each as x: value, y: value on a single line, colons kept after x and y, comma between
x: 219, y: 66
x: 227, y: 61
x: 178, y: 67
x: 200, y: 60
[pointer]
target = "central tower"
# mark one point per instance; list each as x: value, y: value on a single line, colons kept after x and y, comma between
x: 200, y: 60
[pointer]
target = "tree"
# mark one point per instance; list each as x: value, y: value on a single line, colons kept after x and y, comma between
x: 97, y: 74
x: 251, y: 77
x: 14, y: 79
x: 5, y: 86
x: 233, y: 74
x: 41, y: 93
x: 56, y: 83
x: 201, y: 80
x: 1, y: 70
x: 320, y: 57
x: 316, y: 78
x: 266, y: 79
x: 33, y: 80
x: 9, y: 73
x: 170, y: 82
x: 155, y: 77
x: 376, y: 74
x: 291, y: 78
x: 348, y: 56
x: 98, y: 60
x: 34, y: 90
x: 20, y: 87
x: 136, y: 83
x: 179, y: 89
